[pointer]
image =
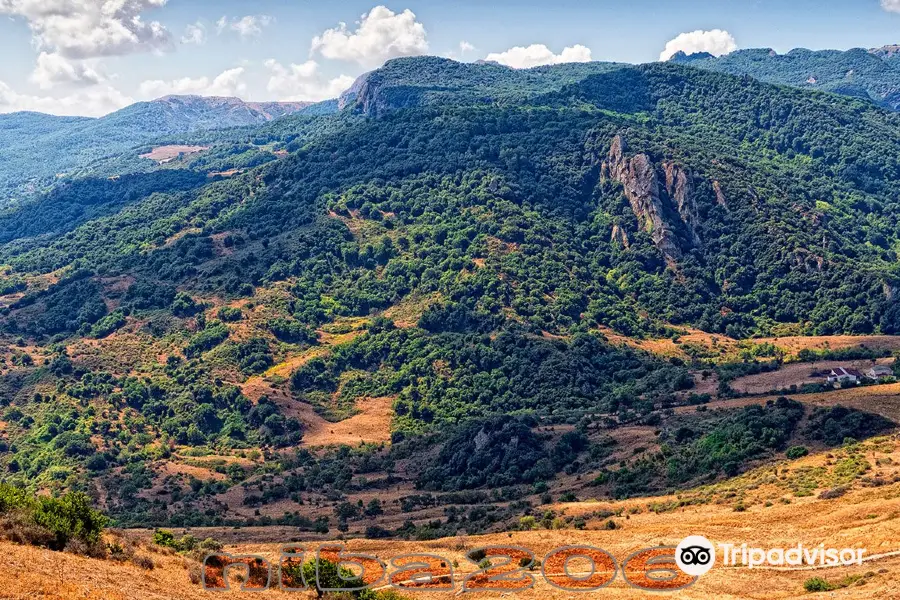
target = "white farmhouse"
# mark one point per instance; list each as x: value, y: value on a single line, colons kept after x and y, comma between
x: 844, y: 375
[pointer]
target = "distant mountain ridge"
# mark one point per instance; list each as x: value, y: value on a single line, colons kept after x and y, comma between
x: 211, y: 111
x: 429, y: 80
x: 872, y: 74
x: 35, y: 147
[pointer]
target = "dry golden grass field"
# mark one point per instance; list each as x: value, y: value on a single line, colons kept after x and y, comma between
x: 799, y: 374
x: 719, y: 347
x: 774, y: 506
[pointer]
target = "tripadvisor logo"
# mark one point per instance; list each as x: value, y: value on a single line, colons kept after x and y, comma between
x: 695, y: 555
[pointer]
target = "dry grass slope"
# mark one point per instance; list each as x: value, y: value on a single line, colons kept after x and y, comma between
x: 867, y: 516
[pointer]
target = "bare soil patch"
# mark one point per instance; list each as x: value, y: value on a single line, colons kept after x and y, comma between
x: 798, y: 374
x: 165, y: 154
x: 883, y: 400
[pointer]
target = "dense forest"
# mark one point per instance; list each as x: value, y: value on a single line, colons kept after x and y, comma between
x: 471, y: 245
x: 872, y: 74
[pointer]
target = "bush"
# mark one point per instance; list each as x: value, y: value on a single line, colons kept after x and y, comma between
x: 817, y: 584
x: 329, y: 577
x: 291, y: 332
x: 376, y: 532
x: 162, y: 537
x: 142, y: 561
x: 184, y: 306
x: 69, y: 517
x: 188, y: 543
x: 833, y: 493
x: 795, y: 452
x: 50, y: 522
x: 108, y: 325
x: 12, y: 497
x: 209, y: 338
x: 229, y: 314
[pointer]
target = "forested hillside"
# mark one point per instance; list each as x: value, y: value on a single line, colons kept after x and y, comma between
x: 869, y: 74
x: 457, y: 239
x: 35, y: 149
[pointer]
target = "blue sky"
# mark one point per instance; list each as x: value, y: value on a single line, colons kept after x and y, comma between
x: 91, y: 57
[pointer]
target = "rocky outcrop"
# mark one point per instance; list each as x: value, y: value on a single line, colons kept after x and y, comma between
x: 655, y: 202
x: 680, y: 189
x: 720, y: 195
x: 619, y: 235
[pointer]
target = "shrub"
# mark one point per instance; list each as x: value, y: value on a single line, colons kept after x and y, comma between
x: 143, y: 561
x: 12, y: 498
x: 291, y: 331
x: 254, y: 356
x: 108, y: 324
x: 209, y: 338
x: 795, y: 452
x: 833, y: 493
x: 188, y: 543
x: 477, y: 555
x: 70, y: 516
x: 328, y: 576
x: 817, y: 584
x: 162, y: 537
x: 376, y: 532
x: 230, y: 314
x: 50, y: 522
x: 184, y: 305
x: 120, y: 550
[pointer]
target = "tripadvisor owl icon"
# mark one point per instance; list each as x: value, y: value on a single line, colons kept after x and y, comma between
x: 695, y: 555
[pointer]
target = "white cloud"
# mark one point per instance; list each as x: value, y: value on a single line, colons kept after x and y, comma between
x: 54, y: 69
x: 95, y: 102
x: 194, y: 34
x: 247, y: 26
x: 717, y: 42
x: 79, y: 29
x: 381, y: 34
x: 536, y: 55
x: 227, y: 83
x: 465, y: 47
x: 891, y: 5
x: 303, y: 82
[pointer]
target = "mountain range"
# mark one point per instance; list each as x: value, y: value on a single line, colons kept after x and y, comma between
x: 36, y: 148
x: 482, y: 287
x: 869, y: 74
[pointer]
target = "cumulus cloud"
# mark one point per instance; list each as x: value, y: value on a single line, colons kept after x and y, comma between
x: 54, y: 69
x: 227, y: 83
x: 194, y: 34
x: 380, y: 35
x: 94, y: 102
x: 303, y: 82
x: 536, y: 55
x: 465, y: 47
x: 248, y: 26
x: 717, y: 42
x: 891, y: 5
x: 78, y: 29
